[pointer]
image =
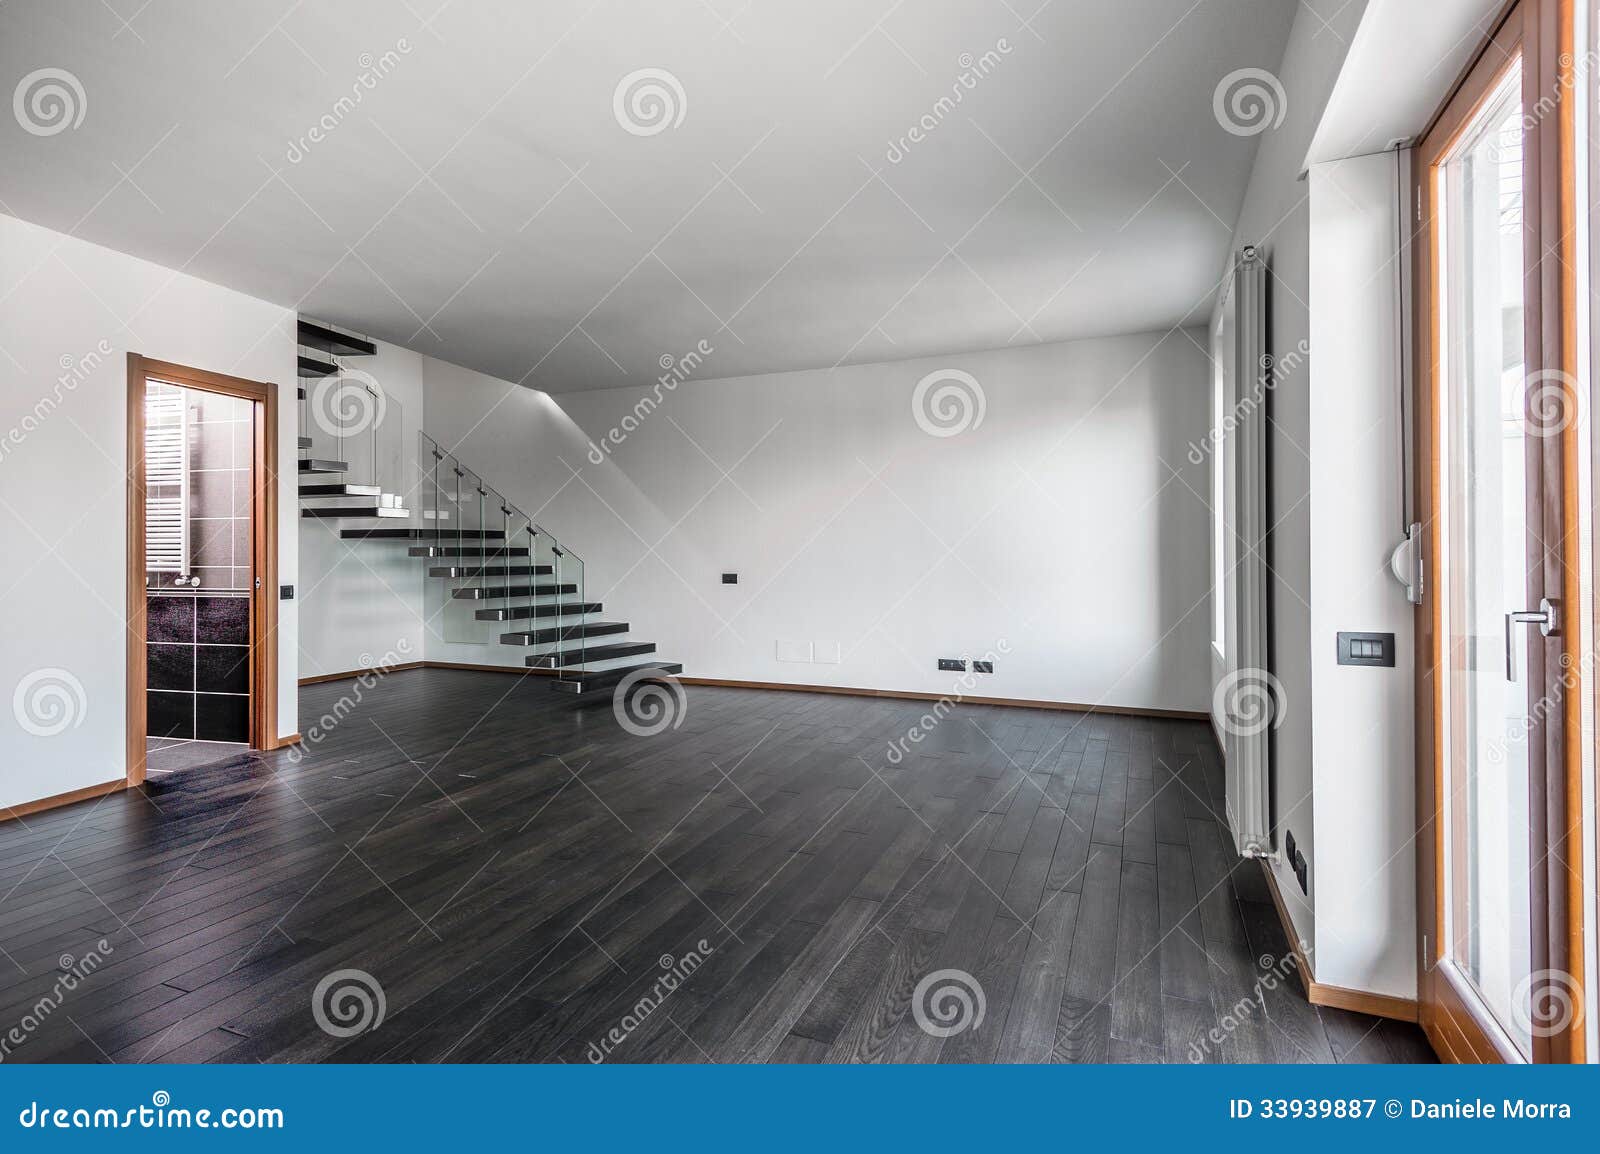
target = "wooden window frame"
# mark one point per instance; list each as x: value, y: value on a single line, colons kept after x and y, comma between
x: 264, y: 550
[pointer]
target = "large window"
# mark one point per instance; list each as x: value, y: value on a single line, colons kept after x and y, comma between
x: 1505, y: 636
x: 1219, y: 532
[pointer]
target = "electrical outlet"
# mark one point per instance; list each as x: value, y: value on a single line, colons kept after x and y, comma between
x: 1295, y: 860
x: 983, y: 667
x: 952, y: 665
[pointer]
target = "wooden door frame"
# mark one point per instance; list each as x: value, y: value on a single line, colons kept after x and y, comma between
x: 1458, y: 1027
x: 264, y: 549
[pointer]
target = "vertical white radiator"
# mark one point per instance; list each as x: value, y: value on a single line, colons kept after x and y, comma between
x: 166, y: 453
x: 1249, y: 698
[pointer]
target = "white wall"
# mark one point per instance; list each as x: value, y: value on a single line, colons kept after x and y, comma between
x: 63, y: 488
x: 1362, y: 739
x: 1275, y: 217
x: 361, y: 602
x: 1069, y: 524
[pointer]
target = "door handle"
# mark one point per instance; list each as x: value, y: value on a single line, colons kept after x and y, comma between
x: 1547, y: 617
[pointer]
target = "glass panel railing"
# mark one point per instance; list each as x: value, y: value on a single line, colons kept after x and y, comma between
x: 492, y: 581
x: 458, y: 548
x: 569, y: 596
x: 536, y: 620
x: 497, y: 580
x: 517, y: 579
x: 428, y: 498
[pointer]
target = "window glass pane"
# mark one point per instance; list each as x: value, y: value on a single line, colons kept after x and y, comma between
x: 1485, y: 559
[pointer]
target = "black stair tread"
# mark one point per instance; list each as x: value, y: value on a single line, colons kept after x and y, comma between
x: 467, y: 572
x: 332, y: 341
x: 305, y: 442
x: 467, y: 551
x: 413, y: 534
x: 583, y: 680
x: 315, y: 465
x: 332, y: 512
x: 311, y: 367
x: 522, y: 612
x: 579, y: 632
x: 502, y: 592
x: 592, y: 653
x: 318, y: 489
x: 302, y: 392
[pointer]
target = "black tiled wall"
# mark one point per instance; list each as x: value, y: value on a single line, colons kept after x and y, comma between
x: 198, y: 661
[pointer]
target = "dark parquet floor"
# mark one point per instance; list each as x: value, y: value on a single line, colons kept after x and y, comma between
x: 529, y: 882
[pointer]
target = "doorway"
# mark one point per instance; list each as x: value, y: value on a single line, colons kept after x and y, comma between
x: 201, y: 565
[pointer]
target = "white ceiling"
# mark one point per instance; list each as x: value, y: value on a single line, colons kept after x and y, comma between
x: 483, y: 203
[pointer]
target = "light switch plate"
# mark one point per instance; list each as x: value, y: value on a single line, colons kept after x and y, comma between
x: 1374, y: 649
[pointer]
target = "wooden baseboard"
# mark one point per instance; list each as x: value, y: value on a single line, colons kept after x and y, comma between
x: 793, y: 687
x: 351, y: 674
x: 964, y: 699
x: 1302, y: 962
x: 283, y: 742
x: 9, y: 813
x: 1323, y: 994
x: 1364, y: 1002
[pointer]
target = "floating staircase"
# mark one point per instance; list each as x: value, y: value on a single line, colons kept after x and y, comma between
x: 499, y: 569
x: 321, y: 348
